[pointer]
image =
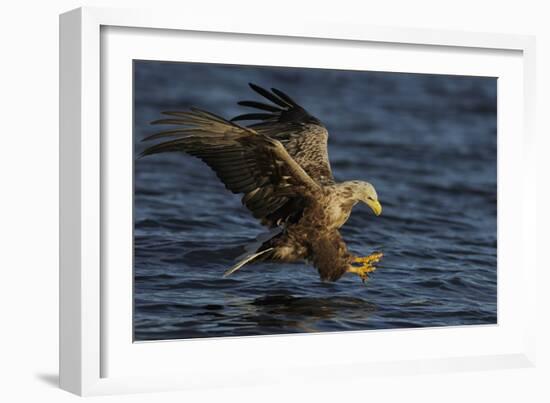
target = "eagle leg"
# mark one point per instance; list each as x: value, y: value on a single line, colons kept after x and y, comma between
x: 366, y: 266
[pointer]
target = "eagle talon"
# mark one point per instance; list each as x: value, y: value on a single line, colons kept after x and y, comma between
x: 366, y: 266
x: 362, y: 271
x: 370, y: 259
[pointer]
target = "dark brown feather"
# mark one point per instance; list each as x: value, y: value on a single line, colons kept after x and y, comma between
x: 330, y: 255
x: 303, y: 135
x: 273, y: 98
x: 241, y: 158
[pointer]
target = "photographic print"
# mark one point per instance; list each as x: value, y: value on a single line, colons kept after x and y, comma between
x: 278, y: 200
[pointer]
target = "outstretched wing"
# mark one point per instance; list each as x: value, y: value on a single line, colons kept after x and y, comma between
x: 303, y: 135
x: 246, y: 161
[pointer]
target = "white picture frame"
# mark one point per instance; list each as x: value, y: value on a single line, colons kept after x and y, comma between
x: 97, y: 355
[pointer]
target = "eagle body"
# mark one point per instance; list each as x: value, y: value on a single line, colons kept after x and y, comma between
x: 315, y: 237
x: 280, y: 166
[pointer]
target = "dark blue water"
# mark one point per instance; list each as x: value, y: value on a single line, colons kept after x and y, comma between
x: 427, y: 143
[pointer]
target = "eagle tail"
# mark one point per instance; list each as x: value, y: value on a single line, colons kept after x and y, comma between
x: 247, y: 259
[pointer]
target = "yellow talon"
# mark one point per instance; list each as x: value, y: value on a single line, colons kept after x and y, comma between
x: 366, y: 266
x: 372, y: 258
x: 362, y: 271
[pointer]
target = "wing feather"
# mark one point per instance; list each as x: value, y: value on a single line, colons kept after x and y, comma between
x: 245, y: 160
x: 304, y: 137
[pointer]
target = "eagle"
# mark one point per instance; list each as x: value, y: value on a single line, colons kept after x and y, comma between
x: 279, y: 163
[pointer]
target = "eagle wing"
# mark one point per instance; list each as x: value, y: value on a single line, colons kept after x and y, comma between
x: 303, y: 135
x: 245, y: 160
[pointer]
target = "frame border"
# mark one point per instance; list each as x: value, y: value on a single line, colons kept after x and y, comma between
x: 80, y: 307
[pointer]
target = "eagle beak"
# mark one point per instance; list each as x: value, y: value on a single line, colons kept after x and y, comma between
x: 375, y: 206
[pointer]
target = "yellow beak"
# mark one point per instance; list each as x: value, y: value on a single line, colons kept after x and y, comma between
x: 375, y: 206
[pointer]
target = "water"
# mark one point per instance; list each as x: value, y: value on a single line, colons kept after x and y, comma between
x: 428, y: 144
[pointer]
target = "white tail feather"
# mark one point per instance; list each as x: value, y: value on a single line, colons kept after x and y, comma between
x: 244, y: 261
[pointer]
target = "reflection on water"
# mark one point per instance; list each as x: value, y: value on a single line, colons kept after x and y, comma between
x: 428, y: 144
x: 285, y: 311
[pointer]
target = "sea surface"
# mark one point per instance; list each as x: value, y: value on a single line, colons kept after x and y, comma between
x: 426, y: 142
